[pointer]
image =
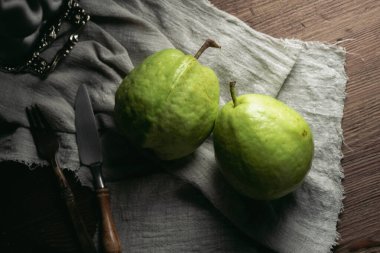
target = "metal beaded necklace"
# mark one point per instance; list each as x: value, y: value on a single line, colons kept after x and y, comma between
x: 35, y: 64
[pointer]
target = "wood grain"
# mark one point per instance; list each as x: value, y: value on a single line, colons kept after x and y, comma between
x: 356, y: 26
x: 110, y: 238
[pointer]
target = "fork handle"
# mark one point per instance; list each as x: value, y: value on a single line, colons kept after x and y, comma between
x: 86, y: 243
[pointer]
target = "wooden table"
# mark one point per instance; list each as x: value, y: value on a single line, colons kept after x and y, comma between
x: 356, y: 26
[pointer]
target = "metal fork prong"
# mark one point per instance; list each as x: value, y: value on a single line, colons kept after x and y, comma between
x: 31, y: 118
x: 37, y: 117
x: 42, y: 122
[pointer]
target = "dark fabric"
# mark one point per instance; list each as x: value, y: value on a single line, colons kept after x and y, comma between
x: 21, y: 23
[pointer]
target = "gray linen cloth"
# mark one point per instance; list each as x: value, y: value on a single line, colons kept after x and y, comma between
x: 186, y: 206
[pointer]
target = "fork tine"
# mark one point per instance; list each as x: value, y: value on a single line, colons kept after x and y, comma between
x: 31, y: 118
x: 42, y: 122
x: 37, y: 116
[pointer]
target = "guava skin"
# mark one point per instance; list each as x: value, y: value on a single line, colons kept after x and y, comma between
x: 263, y: 147
x: 168, y: 104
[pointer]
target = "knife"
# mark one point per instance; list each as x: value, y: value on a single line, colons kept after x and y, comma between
x: 90, y: 155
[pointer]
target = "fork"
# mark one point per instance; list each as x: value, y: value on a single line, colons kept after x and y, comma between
x: 47, y: 145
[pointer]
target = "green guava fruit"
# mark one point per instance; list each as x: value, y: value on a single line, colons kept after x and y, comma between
x: 263, y: 147
x: 168, y: 104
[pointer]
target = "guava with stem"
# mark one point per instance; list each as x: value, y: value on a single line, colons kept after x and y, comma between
x: 263, y: 147
x: 168, y: 104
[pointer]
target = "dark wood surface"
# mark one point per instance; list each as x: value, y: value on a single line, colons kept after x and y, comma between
x: 356, y: 26
x: 40, y: 221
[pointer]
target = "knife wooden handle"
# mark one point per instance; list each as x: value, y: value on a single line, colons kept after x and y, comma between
x: 86, y: 243
x: 110, y: 238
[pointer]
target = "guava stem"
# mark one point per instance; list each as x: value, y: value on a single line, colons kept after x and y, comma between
x: 233, y: 92
x: 208, y: 43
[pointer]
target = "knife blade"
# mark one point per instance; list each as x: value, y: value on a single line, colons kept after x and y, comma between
x: 89, y: 147
x: 90, y: 155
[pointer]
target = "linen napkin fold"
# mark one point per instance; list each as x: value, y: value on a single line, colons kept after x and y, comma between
x: 187, y: 206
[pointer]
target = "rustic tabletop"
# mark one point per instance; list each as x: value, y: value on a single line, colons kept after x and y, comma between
x: 356, y: 26
x: 353, y: 24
